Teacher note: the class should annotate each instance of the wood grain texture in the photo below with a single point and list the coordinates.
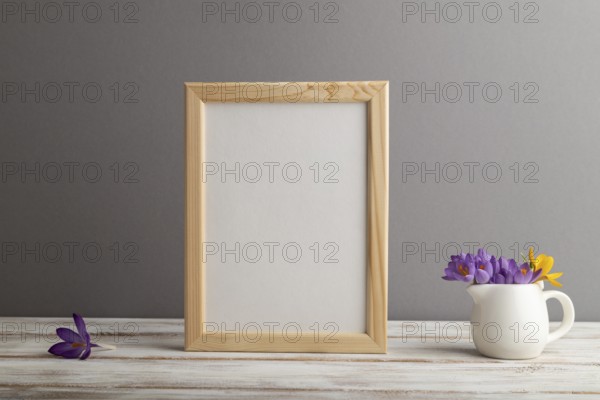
(287, 92)
(194, 311)
(437, 361)
(377, 222)
(375, 95)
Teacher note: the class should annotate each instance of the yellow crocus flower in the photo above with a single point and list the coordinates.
(545, 263)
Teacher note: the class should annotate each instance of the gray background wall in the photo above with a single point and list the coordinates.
(548, 132)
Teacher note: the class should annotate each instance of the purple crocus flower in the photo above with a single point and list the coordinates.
(503, 264)
(451, 268)
(484, 270)
(525, 274)
(495, 265)
(499, 266)
(508, 269)
(460, 268)
(484, 255)
(75, 345)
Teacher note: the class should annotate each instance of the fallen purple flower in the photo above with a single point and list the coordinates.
(76, 344)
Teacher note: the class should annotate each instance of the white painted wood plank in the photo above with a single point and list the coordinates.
(565, 351)
(175, 394)
(128, 326)
(306, 375)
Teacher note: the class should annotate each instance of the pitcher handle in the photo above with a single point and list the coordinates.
(568, 313)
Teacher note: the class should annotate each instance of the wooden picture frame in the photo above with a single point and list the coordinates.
(374, 94)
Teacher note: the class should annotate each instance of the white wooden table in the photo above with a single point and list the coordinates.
(426, 360)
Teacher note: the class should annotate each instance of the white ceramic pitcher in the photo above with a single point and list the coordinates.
(511, 321)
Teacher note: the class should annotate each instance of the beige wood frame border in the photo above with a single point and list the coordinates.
(375, 94)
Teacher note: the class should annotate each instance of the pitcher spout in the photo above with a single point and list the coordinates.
(478, 292)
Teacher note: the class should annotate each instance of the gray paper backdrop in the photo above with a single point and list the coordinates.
(493, 138)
